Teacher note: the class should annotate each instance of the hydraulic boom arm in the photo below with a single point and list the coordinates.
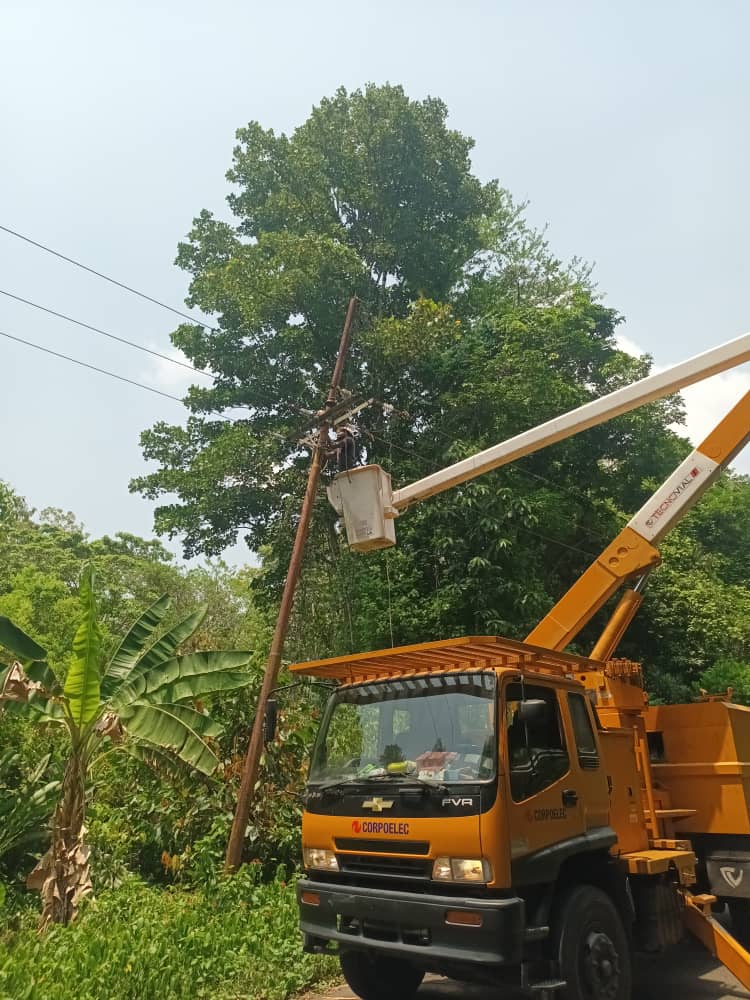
(634, 551)
(629, 397)
(369, 505)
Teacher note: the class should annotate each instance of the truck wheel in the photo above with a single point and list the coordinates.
(739, 911)
(379, 977)
(589, 942)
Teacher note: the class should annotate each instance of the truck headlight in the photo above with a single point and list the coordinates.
(462, 870)
(319, 857)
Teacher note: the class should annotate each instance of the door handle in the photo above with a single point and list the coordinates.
(570, 797)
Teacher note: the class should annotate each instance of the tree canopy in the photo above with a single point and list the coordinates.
(470, 330)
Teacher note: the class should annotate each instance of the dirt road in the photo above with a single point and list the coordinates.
(687, 974)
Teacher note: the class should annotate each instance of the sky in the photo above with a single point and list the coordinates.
(620, 124)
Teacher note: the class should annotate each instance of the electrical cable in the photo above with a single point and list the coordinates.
(428, 464)
(516, 465)
(556, 541)
(390, 607)
(93, 368)
(406, 451)
(105, 333)
(106, 277)
(128, 288)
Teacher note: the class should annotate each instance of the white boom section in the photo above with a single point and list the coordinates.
(675, 496)
(692, 478)
(702, 366)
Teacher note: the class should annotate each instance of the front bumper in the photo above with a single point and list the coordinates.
(411, 925)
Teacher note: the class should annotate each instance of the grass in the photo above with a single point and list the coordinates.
(237, 940)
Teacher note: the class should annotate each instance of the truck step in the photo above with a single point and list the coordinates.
(545, 986)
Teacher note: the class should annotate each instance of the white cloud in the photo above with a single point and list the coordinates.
(706, 402)
(169, 377)
(628, 345)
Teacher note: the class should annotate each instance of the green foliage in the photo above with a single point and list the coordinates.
(40, 562)
(138, 813)
(15, 640)
(726, 674)
(26, 801)
(470, 331)
(697, 607)
(149, 686)
(237, 939)
(82, 689)
(132, 645)
(372, 195)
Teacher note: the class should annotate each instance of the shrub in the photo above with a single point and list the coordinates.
(725, 674)
(26, 800)
(237, 940)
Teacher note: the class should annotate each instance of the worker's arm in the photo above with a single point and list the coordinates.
(634, 550)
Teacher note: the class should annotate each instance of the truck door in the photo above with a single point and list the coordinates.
(545, 801)
(591, 779)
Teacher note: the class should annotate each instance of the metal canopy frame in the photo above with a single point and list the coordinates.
(476, 652)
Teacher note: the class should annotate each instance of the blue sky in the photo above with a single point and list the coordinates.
(624, 125)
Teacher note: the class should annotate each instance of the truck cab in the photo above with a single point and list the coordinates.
(467, 814)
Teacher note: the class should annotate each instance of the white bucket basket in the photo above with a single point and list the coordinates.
(364, 498)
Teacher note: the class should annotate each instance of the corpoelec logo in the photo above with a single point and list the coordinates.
(541, 815)
(380, 826)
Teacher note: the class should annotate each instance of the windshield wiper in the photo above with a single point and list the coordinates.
(337, 783)
(436, 786)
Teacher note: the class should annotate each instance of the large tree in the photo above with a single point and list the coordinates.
(372, 195)
(471, 330)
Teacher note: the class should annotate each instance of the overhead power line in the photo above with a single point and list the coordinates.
(106, 277)
(105, 333)
(431, 466)
(93, 368)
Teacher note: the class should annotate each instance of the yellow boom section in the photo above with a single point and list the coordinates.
(634, 550)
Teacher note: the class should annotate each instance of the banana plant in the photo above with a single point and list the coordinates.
(142, 697)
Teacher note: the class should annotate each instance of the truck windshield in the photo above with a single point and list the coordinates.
(437, 728)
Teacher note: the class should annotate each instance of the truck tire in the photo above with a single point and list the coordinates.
(739, 911)
(379, 977)
(589, 942)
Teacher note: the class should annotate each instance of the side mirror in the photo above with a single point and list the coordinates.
(270, 721)
(533, 711)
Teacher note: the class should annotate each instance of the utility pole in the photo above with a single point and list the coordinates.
(273, 664)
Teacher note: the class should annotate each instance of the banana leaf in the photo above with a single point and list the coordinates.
(176, 728)
(82, 685)
(198, 674)
(17, 642)
(133, 646)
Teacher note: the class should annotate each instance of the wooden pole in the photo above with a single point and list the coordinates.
(273, 664)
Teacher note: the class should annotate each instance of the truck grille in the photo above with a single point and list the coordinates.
(382, 846)
(384, 867)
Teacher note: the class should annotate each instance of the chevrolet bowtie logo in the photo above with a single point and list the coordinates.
(377, 804)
